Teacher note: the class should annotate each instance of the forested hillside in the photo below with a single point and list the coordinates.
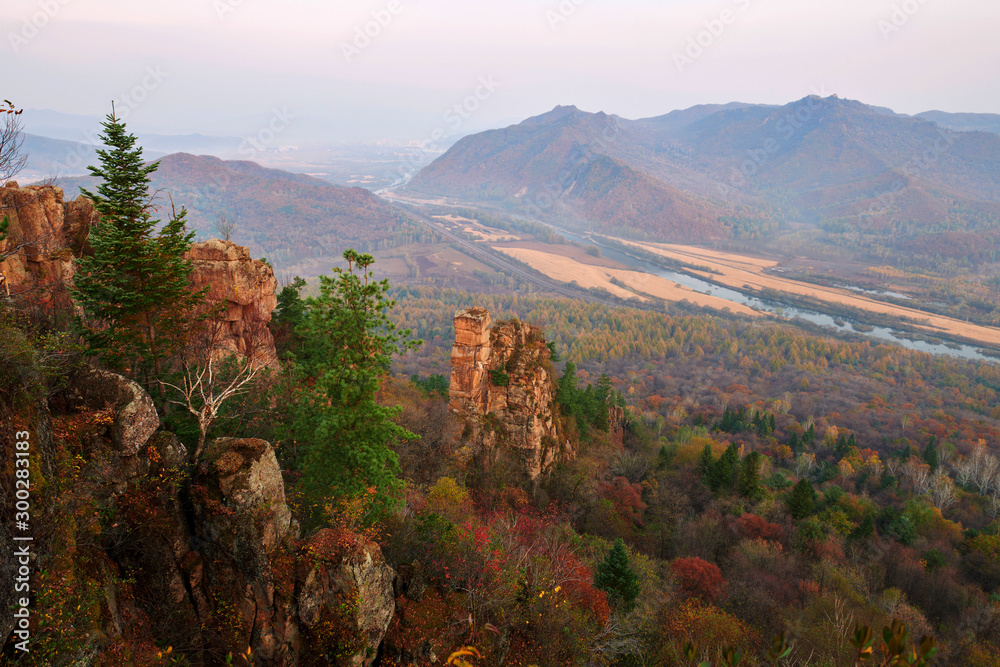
(279, 215)
(777, 480)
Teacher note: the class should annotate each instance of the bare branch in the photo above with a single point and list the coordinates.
(12, 160)
(225, 225)
(204, 390)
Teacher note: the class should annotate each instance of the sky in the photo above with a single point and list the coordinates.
(362, 70)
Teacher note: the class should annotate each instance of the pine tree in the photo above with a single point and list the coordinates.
(840, 448)
(750, 483)
(809, 436)
(616, 577)
(801, 501)
(930, 455)
(706, 461)
(138, 308)
(865, 529)
(723, 474)
(795, 444)
(348, 343)
(287, 315)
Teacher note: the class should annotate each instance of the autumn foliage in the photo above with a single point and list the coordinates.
(697, 578)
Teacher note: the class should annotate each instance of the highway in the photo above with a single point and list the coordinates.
(498, 261)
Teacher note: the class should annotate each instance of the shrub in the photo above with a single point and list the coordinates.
(698, 578)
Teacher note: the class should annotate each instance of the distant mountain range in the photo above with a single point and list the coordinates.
(741, 170)
(286, 217)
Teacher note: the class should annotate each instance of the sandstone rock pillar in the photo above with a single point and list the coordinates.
(469, 360)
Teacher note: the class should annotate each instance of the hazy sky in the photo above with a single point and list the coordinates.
(224, 66)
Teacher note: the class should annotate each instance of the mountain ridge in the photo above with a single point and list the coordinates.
(906, 174)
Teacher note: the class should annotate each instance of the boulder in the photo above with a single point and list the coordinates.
(346, 601)
(134, 415)
(243, 570)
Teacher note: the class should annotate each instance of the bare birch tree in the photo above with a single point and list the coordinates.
(919, 474)
(942, 490)
(213, 373)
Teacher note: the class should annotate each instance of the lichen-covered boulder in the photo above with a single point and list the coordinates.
(134, 415)
(346, 597)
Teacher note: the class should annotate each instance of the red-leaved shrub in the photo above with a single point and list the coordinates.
(698, 578)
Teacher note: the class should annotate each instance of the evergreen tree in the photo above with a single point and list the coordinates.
(809, 436)
(706, 461)
(931, 454)
(840, 448)
(138, 309)
(865, 529)
(617, 579)
(567, 384)
(750, 482)
(603, 392)
(723, 474)
(801, 501)
(290, 308)
(795, 444)
(348, 342)
(287, 315)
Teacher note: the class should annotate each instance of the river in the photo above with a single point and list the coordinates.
(839, 323)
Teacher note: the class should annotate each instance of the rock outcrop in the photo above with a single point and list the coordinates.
(207, 559)
(241, 289)
(48, 233)
(243, 568)
(346, 600)
(44, 230)
(502, 383)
